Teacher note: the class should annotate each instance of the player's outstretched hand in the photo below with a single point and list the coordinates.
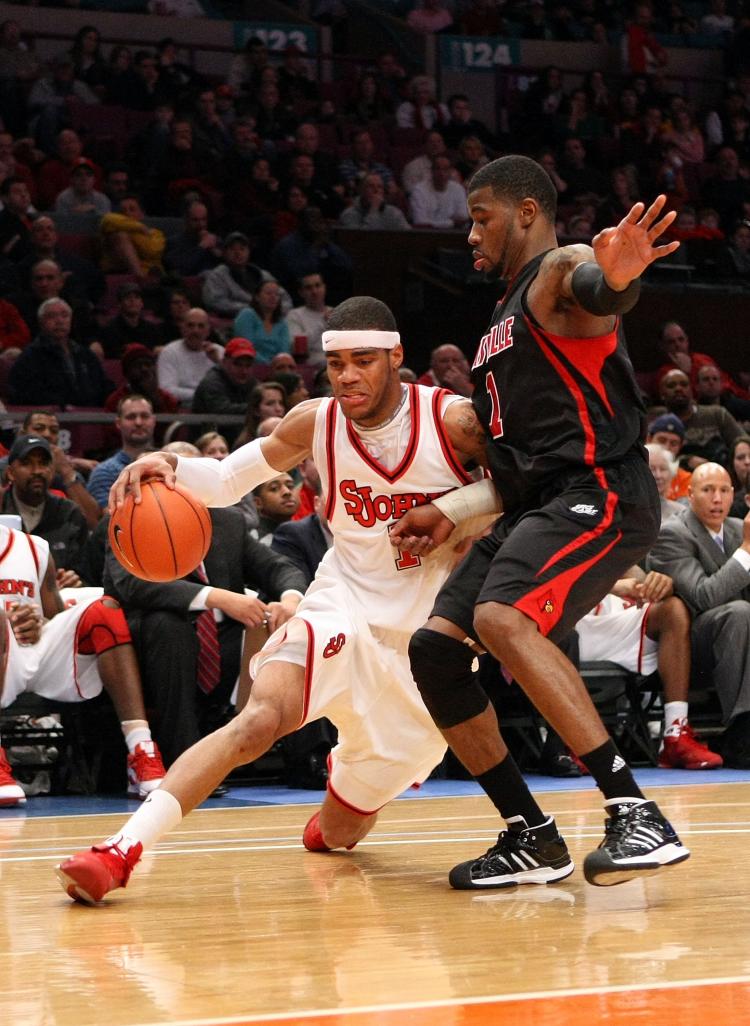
(160, 465)
(420, 530)
(624, 252)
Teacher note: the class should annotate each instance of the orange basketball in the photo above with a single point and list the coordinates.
(163, 537)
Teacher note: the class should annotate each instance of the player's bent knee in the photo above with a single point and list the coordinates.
(103, 626)
(497, 623)
(442, 669)
(260, 724)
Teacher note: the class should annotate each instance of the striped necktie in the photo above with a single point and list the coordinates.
(209, 654)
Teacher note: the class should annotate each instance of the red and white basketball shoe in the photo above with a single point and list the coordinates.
(681, 749)
(312, 837)
(145, 770)
(89, 875)
(11, 792)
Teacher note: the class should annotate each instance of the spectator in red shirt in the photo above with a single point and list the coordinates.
(14, 332)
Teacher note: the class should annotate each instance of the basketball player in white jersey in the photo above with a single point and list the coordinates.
(67, 655)
(381, 447)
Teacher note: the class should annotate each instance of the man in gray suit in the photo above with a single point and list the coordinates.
(707, 554)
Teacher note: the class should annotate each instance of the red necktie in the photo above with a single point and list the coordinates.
(209, 656)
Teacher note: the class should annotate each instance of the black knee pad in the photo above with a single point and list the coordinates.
(441, 667)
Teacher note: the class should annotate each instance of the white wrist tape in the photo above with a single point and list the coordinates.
(224, 482)
(474, 500)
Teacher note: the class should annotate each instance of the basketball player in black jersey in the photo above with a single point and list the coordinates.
(555, 392)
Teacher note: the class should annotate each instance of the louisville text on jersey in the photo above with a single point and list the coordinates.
(367, 509)
(498, 338)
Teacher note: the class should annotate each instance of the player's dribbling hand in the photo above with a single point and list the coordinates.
(26, 622)
(160, 465)
(420, 530)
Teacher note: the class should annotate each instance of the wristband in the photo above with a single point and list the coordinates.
(596, 297)
(474, 500)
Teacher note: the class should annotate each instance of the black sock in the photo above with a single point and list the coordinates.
(610, 771)
(508, 792)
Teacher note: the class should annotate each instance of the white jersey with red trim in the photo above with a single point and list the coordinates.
(52, 667)
(364, 496)
(23, 564)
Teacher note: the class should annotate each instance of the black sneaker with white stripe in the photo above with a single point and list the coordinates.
(522, 855)
(638, 841)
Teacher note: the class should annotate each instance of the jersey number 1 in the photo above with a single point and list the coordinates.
(496, 421)
(407, 561)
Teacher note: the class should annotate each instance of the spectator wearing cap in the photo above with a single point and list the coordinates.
(668, 431)
(128, 325)
(68, 471)
(227, 386)
(183, 363)
(128, 244)
(55, 370)
(229, 288)
(709, 430)
(225, 106)
(50, 516)
(81, 197)
(135, 422)
(196, 248)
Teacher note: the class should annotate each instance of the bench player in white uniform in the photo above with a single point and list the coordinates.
(380, 447)
(642, 626)
(67, 655)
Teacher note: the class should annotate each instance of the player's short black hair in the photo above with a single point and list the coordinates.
(514, 178)
(361, 313)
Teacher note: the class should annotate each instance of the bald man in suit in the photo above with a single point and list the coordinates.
(707, 554)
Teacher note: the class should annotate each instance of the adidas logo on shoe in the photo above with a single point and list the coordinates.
(638, 841)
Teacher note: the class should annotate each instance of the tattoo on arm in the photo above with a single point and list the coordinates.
(470, 437)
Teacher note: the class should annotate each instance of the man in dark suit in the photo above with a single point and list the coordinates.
(707, 554)
(304, 542)
(163, 621)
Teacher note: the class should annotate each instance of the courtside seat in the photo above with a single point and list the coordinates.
(626, 702)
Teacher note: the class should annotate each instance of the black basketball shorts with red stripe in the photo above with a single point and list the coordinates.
(556, 561)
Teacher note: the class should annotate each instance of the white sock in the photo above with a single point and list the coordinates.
(674, 711)
(160, 813)
(135, 732)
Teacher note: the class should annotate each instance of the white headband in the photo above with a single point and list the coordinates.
(360, 340)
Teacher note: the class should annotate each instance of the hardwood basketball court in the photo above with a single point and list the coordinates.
(231, 921)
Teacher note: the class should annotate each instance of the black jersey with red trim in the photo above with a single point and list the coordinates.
(552, 407)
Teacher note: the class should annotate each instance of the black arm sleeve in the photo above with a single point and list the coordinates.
(596, 297)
